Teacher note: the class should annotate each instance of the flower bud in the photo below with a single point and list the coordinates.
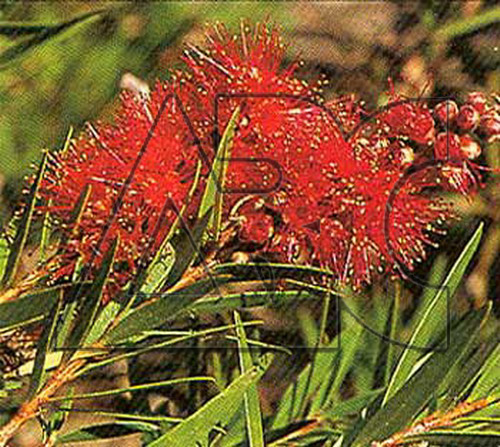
(447, 146)
(469, 147)
(490, 125)
(446, 112)
(468, 118)
(477, 100)
(422, 128)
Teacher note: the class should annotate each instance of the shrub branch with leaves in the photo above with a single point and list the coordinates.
(283, 197)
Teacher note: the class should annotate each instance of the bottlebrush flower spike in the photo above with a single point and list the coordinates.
(318, 196)
(104, 157)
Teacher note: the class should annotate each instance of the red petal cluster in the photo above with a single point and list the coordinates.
(315, 182)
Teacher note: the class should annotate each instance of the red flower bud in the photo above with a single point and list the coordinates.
(447, 146)
(422, 129)
(469, 147)
(446, 112)
(468, 118)
(477, 100)
(490, 125)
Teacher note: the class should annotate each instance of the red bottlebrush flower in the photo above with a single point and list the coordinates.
(446, 112)
(468, 118)
(323, 197)
(104, 157)
(332, 199)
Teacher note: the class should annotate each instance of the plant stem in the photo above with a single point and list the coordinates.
(28, 410)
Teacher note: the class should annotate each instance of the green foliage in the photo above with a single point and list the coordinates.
(432, 317)
(195, 431)
(23, 228)
(213, 196)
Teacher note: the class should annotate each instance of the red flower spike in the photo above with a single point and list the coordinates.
(322, 201)
(104, 157)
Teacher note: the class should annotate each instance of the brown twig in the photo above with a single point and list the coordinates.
(435, 420)
(28, 410)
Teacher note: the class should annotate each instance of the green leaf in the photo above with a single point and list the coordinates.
(4, 254)
(249, 299)
(212, 197)
(418, 390)
(431, 321)
(44, 345)
(45, 236)
(253, 415)
(103, 321)
(23, 228)
(488, 383)
(131, 389)
(456, 439)
(27, 309)
(158, 311)
(195, 430)
(320, 380)
(161, 345)
(106, 431)
(90, 302)
(76, 213)
(187, 247)
(154, 277)
(463, 376)
(467, 25)
(351, 406)
(261, 270)
(122, 416)
(350, 342)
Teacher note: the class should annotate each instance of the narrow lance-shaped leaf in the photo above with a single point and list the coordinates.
(44, 345)
(104, 431)
(27, 309)
(76, 214)
(90, 303)
(214, 190)
(196, 429)
(249, 299)
(158, 311)
(455, 439)
(131, 389)
(187, 246)
(411, 398)
(431, 321)
(39, 34)
(154, 276)
(23, 227)
(251, 400)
